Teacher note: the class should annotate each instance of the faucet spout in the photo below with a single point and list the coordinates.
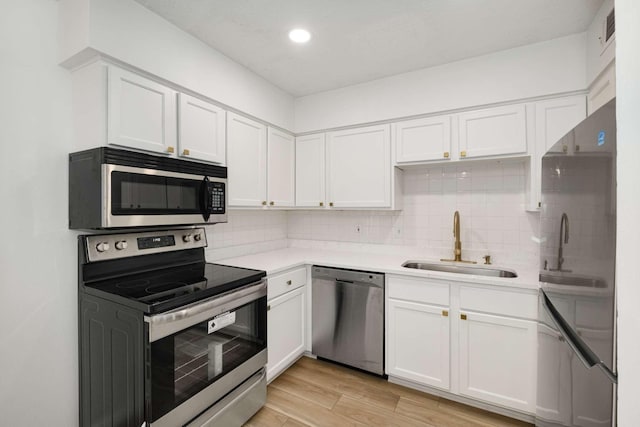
(457, 251)
(564, 239)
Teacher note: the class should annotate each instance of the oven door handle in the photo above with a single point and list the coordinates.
(165, 324)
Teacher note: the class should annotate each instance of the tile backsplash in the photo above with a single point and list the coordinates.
(490, 197)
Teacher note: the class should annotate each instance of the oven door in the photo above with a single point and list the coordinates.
(200, 353)
(134, 197)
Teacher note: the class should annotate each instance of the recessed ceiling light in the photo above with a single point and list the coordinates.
(299, 35)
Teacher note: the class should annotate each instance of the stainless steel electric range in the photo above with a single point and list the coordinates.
(167, 339)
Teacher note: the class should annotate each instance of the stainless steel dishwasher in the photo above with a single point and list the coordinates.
(348, 317)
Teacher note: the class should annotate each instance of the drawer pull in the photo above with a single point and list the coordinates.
(289, 282)
(463, 316)
(445, 313)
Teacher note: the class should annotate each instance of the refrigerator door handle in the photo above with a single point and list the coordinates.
(581, 350)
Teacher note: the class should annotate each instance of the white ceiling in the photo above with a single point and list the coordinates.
(355, 41)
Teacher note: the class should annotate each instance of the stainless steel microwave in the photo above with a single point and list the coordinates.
(113, 188)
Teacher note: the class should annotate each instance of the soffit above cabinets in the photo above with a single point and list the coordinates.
(356, 41)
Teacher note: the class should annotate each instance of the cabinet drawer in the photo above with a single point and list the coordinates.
(418, 290)
(285, 282)
(497, 301)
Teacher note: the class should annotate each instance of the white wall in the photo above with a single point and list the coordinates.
(38, 267)
(490, 197)
(545, 68)
(628, 112)
(597, 58)
(129, 32)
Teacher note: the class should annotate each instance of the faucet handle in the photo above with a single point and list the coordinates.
(487, 259)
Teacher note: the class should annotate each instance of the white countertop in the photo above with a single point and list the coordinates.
(279, 260)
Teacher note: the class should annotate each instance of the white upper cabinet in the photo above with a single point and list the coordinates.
(280, 168)
(247, 161)
(310, 171)
(359, 167)
(201, 130)
(554, 118)
(493, 132)
(141, 113)
(603, 89)
(422, 139)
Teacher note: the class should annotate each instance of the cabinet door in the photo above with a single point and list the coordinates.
(359, 167)
(554, 118)
(310, 171)
(140, 112)
(423, 139)
(498, 359)
(418, 343)
(285, 330)
(493, 132)
(247, 161)
(603, 89)
(553, 403)
(280, 168)
(201, 130)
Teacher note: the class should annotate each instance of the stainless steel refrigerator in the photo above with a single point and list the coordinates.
(576, 329)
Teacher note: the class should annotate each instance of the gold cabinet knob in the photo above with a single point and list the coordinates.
(269, 307)
(271, 203)
(170, 149)
(576, 148)
(446, 154)
(185, 152)
(288, 282)
(463, 154)
(331, 204)
(321, 204)
(264, 203)
(565, 149)
(445, 313)
(463, 316)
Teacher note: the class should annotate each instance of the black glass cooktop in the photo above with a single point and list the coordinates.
(165, 289)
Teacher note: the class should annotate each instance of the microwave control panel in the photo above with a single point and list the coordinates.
(217, 196)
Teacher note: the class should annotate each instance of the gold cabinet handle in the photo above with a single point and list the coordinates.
(170, 149)
(321, 204)
(271, 203)
(269, 307)
(446, 154)
(463, 154)
(445, 313)
(565, 149)
(264, 203)
(288, 282)
(577, 148)
(185, 152)
(331, 204)
(463, 316)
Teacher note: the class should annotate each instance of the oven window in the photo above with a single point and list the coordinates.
(187, 362)
(139, 194)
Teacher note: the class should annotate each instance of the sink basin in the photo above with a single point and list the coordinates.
(581, 281)
(460, 269)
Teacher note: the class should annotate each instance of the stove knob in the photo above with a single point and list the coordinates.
(121, 245)
(197, 237)
(186, 238)
(102, 246)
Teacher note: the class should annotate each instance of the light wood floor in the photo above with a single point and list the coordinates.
(316, 393)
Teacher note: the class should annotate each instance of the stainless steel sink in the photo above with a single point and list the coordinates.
(460, 269)
(581, 281)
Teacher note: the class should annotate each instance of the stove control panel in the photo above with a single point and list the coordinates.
(112, 246)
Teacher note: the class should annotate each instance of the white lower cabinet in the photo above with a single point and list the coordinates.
(418, 346)
(475, 341)
(497, 359)
(286, 319)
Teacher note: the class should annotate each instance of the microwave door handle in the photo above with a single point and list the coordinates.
(205, 199)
